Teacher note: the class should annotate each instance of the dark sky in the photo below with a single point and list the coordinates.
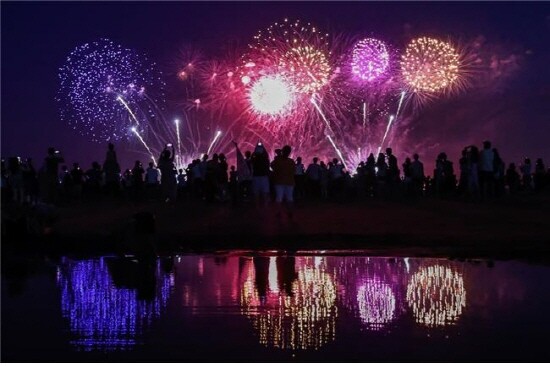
(37, 36)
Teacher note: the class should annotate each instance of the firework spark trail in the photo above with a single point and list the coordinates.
(218, 134)
(121, 100)
(385, 133)
(323, 117)
(134, 130)
(400, 102)
(364, 113)
(337, 150)
(177, 122)
(398, 110)
(392, 119)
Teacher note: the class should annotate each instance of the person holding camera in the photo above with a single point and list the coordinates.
(168, 172)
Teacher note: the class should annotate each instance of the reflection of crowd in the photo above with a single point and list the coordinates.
(482, 174)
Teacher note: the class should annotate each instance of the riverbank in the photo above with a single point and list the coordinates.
(513, 227)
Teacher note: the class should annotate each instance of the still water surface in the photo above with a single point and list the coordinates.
(243, 307)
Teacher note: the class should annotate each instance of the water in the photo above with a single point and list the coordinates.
(245, 307)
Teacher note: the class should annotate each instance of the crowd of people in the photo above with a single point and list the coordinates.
(482, 175)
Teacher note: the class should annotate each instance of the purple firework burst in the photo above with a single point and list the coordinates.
(370, 59)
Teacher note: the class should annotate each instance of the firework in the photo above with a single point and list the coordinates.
(304, 320)
(271, 95)
(436, 295)
(370, 60)
(100, 83)
(306, 67)
(376, 304)
(429, 65)
(102, 317)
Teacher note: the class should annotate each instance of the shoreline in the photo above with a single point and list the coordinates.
(508, 228)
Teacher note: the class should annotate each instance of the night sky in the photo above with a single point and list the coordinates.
(512, 109)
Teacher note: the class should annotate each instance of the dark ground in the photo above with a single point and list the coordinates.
(511, 227)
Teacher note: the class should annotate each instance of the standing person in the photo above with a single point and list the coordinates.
(111, 168)
(407, 176)
(168, 174)
(512, 179)
(93, 180)
(313, 174)
(137, 180)
(299, 178)
(284, 170)
(473, 171)
(260, 174)
(336, 179)
(463, 166)
(323, 179)
(540, 175)
(243, 175)
(233, 185)
(526, 174)
(417, 175)
(222, 177)
(15, 179)
(486, 169)
(211, 178)
(152, 180)
(381, 169)
(30, 181)
(499, 169)
(51, 176)
(392, 177)
(370, 175)
(77, 178)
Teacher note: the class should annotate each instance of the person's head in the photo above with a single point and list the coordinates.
(215, 157)
(299, 159)
(486, 144)
(527, 161)
(335, 161)
(278, 152)
(138, 163)
(247, 154)
(76, 166)
(539, 161)
(221, 157)
(315, 160)
(165, 154)
(259, 149)
(408, 160)
(51, 150)
(151, 165)
(415, 157)
(181, 171)
(286, 151)
(111, 146)
(64, 168)
(232, 168)
(205, 157)
(381, 156)
(512, 166)
(323, 165)
(388, 151)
